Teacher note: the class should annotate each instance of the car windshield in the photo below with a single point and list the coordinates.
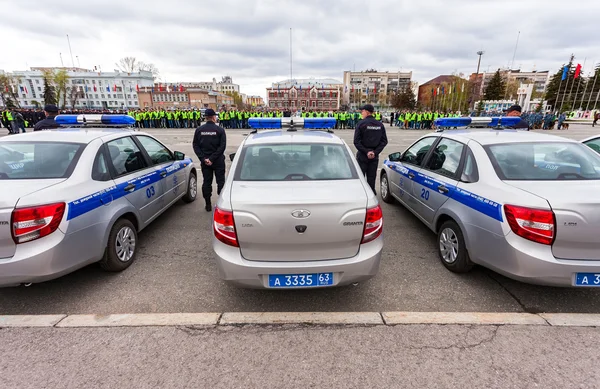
(547, 161)
(286, 162)
(38, 160)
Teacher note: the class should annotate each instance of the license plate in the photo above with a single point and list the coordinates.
(300, 280)
(587, 279)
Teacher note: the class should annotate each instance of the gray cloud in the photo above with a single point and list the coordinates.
(249, 39)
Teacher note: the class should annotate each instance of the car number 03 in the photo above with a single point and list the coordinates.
(150, 191)
(425, 194)
(299, 280)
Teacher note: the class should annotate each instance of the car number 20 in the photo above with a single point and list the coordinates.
(300, 280)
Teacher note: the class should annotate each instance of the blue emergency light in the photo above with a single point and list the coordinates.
(264, 123)
(278, 123)
(317, 123)
(95, 119)
(506, 121)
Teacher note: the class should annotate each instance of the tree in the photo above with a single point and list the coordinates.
(132, 65)
(49, 92)
(496, 87)
(35, 103)
(479, 108)
(61, 78)
(404, 99)
(74, 95)
(9, 90)
(237, 99)
(512, 88)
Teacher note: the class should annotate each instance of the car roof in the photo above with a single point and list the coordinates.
(73, 135)
(300, 136)
(488, 137)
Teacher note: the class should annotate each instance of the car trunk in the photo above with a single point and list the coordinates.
(576, 205)
(12, 191)
(267, 231)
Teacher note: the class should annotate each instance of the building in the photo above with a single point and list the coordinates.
(225, 85)
(178, 96)
(539, 79)
(524, 98)
(86, 89)
(373, 87)
(254, 101)
(310, 94)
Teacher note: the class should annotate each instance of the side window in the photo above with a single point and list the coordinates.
(157, 152)
(100, 169)
(125, 156)
(470, 172)
(417, 152)
(594, 144)
(445, 158)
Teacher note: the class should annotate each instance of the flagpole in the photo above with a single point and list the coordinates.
(572, 85)
(558, 92)
(596, 102)
(587, 83)
(592, 91)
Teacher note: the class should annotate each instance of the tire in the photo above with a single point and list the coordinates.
(192, 189)
(384, 189)
(116, 256)
(452, 249)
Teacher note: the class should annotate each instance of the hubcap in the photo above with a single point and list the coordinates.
(125, 244)
(449, 245)
(384, 186)
(193, 187)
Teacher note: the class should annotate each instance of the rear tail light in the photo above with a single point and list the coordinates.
(33, 223)
(373, 224)
(224, 227)
(537, 225)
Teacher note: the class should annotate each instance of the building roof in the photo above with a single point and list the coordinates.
(441, 79)
(307, 83)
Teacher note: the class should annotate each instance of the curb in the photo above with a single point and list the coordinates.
(314, 318)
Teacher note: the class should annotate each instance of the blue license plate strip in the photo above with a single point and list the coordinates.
(587, 279)
(300, 280)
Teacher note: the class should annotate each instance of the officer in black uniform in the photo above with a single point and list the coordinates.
(49, 123)
(369, 139)
(209, 145)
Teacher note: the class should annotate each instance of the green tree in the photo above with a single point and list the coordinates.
(49, 92)
(61, 78)
(237, 99)
(496, 88)
(404, 99)
(479, 108)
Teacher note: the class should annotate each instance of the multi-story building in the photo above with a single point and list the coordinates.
(254, 101)
(373, 87)
(539, 79)
(225, 85)
(86, 88)
(310, 94)
(177, 96)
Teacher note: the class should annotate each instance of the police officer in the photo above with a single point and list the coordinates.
(49, 123)
(209, 145)
(515, 110)
(369, 139)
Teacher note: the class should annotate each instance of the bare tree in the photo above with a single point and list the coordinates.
(61, 78)
(9, 89)
(75, 93)
(148, 67)
(128, 64)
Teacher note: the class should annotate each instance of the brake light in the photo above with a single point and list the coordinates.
(33, 223)
(224, 227)
(537, 225)
(373, 224)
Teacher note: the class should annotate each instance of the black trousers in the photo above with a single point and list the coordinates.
(217, 169)
(369, 168)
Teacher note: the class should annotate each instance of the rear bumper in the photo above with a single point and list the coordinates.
(236, 270)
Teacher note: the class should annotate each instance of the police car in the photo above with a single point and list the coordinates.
(74, 196)
(524, 204)
(295, 211)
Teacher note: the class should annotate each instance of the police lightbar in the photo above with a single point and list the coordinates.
(507, 121)
(279, 123)
(96, 119)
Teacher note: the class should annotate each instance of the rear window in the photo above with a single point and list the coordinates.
(38, 160)
(544, 161)
(287, 162)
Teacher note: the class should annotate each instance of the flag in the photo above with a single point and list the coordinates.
(86, 89)
(130, 88)
(26, 91)
(432, 92)
(137, 88)
(95, 88)
(352, 88)
(115, 88)
(168, 88)
(21, 88)
(450, 90)
(181, 87)
(152, 88)
(108, 88)
(374, 88)
(463, 87)
(565, 73)
(346, 89)
(577, 71)
(438, 90)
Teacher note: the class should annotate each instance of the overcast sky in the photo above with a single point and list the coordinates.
(250, 39)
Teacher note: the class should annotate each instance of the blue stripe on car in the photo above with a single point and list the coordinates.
(95, 200)
(481, 204)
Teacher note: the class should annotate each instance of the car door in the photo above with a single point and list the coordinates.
(438, 177)
(139, 183)
(171, 171)
(401, 183)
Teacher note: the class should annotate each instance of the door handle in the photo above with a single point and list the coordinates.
(129, 188)
(163, 173)
(411, 175)
(443, 189)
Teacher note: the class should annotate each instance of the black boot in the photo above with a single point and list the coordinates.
(208, 206)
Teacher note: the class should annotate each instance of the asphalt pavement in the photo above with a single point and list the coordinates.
(175, 271)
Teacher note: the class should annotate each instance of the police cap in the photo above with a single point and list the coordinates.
(367, 107)
(50, 108)
(210, 112)
(515, 107)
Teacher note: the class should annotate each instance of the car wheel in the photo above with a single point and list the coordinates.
(121, 249)
(452, 249)
(386, 196)
(192, 189)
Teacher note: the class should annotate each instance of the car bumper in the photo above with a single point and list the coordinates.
(534, 263)
(236, 270)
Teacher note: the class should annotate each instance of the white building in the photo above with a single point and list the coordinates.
(539, 79)
(373, 87)
(225, 85)
(94, 89)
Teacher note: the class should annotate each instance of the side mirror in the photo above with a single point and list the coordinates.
(179, 156)
(395, 157)
(231, 156)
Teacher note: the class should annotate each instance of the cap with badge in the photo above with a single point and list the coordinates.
(51, 108)
(367, 107)
(210, 112)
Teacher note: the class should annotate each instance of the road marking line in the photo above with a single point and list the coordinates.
(572, 319)
(30, 320)
(481, 318)
(141, 320)
(233, 318)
